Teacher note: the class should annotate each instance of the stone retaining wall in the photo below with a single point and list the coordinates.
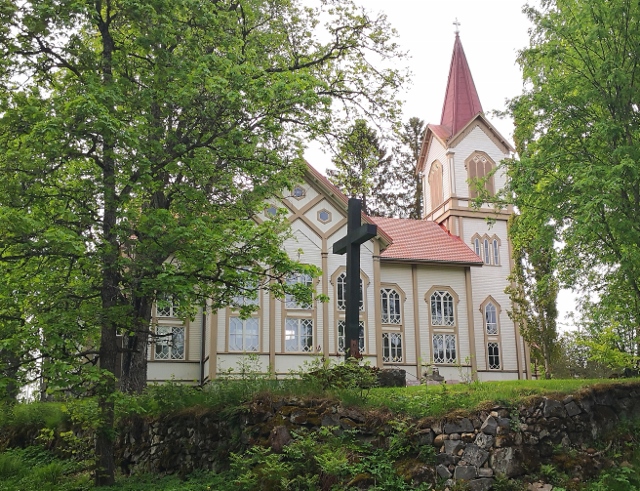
(509, 441)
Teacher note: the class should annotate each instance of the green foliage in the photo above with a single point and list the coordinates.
(361, 164)
(534, 287)
(138, 140)
(50, 415)
(35, 469)
(386, 183)
(345, 378)
(575, 360)
(578, 140)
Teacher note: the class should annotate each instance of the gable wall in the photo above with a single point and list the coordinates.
(476, 139)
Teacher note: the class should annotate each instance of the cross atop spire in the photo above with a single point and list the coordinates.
(457, 24)
(461, 101)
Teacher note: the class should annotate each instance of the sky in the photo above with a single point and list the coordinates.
(492, 32)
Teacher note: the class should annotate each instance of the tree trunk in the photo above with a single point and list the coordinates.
(134, 356)
(110, 292)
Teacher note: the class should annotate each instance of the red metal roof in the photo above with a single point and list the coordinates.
(442, 132)
(424, 241)
(461, 102)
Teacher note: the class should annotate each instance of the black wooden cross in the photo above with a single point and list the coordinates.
(350, 244)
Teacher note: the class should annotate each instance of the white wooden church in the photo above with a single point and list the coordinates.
(432, 289)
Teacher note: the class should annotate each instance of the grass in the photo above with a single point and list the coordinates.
(440, 400)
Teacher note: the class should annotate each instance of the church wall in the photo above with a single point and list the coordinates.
(492, 280)
(310, 195)
(230, 362)
(194, 333)
(179, 371)
(400, 275)
(442, 276)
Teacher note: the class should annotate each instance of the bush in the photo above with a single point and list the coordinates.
(39, 414)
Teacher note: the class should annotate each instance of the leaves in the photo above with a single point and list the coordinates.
(577, 132)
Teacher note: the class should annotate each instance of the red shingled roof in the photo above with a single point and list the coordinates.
(424, 241)
(461, 101)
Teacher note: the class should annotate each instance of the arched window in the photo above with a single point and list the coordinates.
(435, 185)
(341, 293)
(490, 309)
(390, 300)
(479, 166)
(487, 253)
(491, 319)
(487, 248)
(442, 310)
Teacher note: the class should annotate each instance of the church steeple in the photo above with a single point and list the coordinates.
(461, 101)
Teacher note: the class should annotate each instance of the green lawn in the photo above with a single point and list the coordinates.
(438, 401)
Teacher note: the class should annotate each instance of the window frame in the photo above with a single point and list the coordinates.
(487, 248)
(494, 336)
(446, 339)
(244, 334)
(398, 302)
(479, 160)
(174, 311)
(298, 335)
(496, 354)
(362, 337)
(162, 339)
(445, 331)
(435, 179)
(388, 356)
(290, 302)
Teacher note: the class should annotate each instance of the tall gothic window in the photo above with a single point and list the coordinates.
(341, 290)
(491, 319)
(479, 166)
(390, 300)
(435, 185)
(442, 311)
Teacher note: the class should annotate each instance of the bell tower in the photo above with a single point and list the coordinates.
(457, 156)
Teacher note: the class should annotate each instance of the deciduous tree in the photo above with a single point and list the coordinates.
(578, 139)
(138, 139)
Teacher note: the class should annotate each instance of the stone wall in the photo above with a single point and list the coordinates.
(509, 441)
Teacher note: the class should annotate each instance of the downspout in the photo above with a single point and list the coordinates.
(203, 338)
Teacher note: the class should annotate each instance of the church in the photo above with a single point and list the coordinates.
(431, 290)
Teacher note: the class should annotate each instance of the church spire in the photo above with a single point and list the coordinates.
(461, 101)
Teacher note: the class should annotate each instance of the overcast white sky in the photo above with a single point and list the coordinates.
(491, 32)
